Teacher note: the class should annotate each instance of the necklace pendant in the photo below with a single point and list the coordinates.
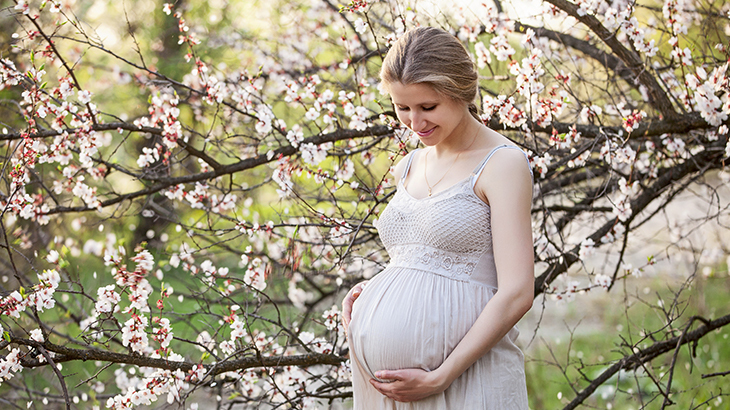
(429, 191)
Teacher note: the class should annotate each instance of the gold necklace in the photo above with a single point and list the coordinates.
(425, 165)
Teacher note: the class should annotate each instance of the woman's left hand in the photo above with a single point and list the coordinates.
(408, 384)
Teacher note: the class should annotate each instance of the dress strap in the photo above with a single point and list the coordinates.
(408, 166)
(478, 170)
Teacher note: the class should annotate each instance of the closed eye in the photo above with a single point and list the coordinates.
(429, 108)
(401, 108)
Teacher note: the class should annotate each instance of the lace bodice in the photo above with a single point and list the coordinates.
(448, 234)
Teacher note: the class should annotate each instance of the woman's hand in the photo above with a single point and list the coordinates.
(353, 294)
(409, 384)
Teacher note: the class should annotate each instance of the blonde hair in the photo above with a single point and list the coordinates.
(433, 56)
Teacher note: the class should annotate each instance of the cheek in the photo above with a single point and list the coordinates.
(402, 117)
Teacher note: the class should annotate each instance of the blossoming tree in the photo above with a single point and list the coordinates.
(188, 189)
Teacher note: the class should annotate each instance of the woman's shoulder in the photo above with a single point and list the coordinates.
(500, 152)
(507, 158)
(507, 170)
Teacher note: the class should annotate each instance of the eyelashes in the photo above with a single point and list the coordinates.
(431, 108)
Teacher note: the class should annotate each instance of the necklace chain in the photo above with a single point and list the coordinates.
(425, 165)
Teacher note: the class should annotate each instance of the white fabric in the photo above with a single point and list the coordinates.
(413, 314)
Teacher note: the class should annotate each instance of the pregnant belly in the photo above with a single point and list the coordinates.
(411, 319)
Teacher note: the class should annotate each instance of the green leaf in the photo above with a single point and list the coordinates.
(6, 336)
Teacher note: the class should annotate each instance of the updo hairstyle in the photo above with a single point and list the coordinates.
(433, 56)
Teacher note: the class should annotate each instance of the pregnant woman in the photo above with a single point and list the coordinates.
(436, 328)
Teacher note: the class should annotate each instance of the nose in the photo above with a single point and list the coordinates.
(417, 120)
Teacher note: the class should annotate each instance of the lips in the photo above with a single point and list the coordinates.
(425, 133)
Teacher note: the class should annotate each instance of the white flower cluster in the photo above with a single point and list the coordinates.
(340, 232)
(163, 333)
(163, 113)
(586, 248)
(483, 56)
(86, 193)
(41, 296)
(318, 344)
(614, 233)
(145, 391)
(566, 140)
(345, 171)
(331, 317)
(255, 275)
(603, 281)
(238, 330)
(706, 90)
(295, 135)
(265, 117)
(107, 300)
(629, 26)
(540, 163)
(505, 108)
(10, 365)
(528, 74)
(198, 196)
(224, 203)
(31, 151)
(27, 207)
(622, 202)
(590, 112)
(148, 157)
(501, 48)
(314, 154)
(9, 75)
(134, 335)
(674, 145)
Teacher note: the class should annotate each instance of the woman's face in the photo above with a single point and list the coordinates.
(432, 116)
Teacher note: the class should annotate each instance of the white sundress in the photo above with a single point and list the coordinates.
(440, 276)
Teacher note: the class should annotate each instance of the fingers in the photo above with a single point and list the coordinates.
(388, 375)
(404, 385)
(389, 390)
(383, 388)
(347, 307)
(347, 303)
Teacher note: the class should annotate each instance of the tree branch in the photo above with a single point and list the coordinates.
(633, 361)
(609, 61)
(242, 165)
(67, 354)
(705, 160)
(657, 97)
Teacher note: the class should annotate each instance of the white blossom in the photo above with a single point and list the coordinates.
(603, 280)
(360, 26)
(37, 335)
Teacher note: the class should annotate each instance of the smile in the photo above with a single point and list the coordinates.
(425, 133)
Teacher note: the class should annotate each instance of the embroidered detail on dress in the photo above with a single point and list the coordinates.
(427, 258)
(447, 262)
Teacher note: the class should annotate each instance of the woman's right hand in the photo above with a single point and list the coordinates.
(349, 300)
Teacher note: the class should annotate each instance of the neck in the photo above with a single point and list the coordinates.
(462, 139)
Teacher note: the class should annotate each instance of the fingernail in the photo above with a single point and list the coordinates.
(377, 374)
